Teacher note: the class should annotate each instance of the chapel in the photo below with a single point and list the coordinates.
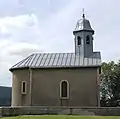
(60, 79)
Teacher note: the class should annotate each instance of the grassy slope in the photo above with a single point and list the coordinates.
(61, 117)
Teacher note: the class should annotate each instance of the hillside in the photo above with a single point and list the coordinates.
(5, 96)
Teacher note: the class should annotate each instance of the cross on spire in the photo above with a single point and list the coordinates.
(83, 13)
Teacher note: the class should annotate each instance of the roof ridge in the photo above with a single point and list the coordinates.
(55, 53)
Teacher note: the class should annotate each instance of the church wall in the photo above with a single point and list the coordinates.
(18, 76)
(82, 83)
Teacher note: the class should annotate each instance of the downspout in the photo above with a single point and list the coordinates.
(98, 87)
(30, 79)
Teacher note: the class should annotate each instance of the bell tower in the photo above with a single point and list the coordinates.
(83, 38)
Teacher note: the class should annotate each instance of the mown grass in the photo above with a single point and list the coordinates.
(62, 117)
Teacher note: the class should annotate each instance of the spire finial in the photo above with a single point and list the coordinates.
(83, 13)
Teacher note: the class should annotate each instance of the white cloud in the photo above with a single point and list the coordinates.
(13, 43)
(23, 49)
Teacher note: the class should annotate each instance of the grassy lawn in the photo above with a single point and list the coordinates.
(62, 117)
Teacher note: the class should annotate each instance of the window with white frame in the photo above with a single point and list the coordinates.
(24, 87)
(64, 89)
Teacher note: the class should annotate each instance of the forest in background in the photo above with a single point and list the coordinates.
(5, 96)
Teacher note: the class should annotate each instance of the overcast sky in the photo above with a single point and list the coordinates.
(28, 26)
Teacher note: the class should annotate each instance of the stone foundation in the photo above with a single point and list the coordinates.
(103, 111)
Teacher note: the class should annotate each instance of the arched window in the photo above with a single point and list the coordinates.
(24, 87)
(92, 38)
(88, 40)
(64, 89)
(78, 40)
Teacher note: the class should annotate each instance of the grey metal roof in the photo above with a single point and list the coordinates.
(83, 24)
(56, 60)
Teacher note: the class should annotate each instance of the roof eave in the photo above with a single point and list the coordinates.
(89, 30)
(12, 69)
(62, 67)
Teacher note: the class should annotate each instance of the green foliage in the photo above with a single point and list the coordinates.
(110, 84)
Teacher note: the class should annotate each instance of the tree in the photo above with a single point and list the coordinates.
(110, 84)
